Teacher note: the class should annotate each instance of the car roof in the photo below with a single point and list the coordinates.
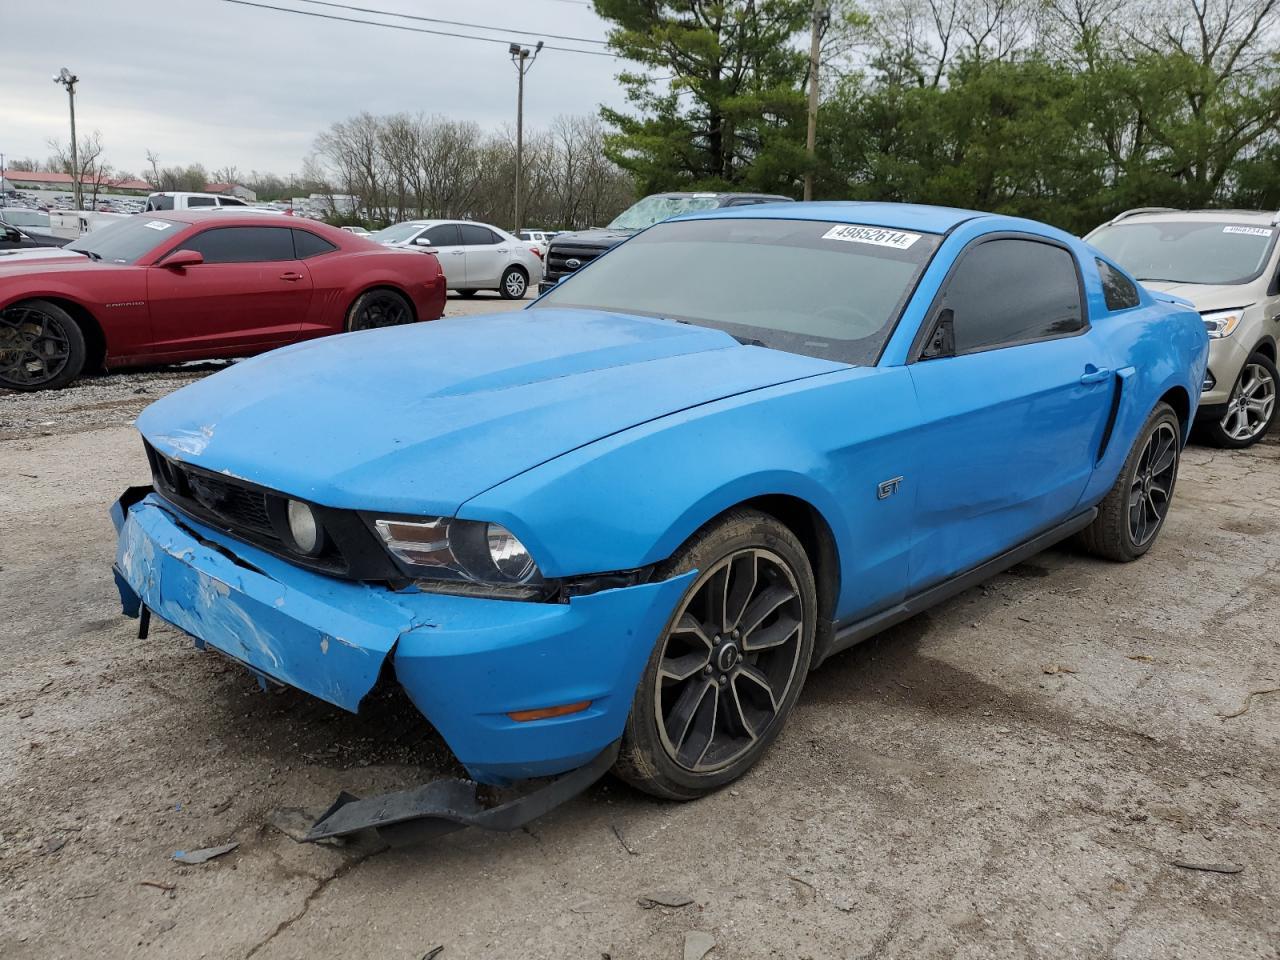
(249, 217)
(719, 195)
(1156, 215)
(901, 216)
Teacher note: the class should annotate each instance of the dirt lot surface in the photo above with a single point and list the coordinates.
(1018, 773)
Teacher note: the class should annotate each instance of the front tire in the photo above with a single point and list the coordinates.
(374, 309)
(41, 346)
(468, 294)
(730, 664)
(514, 284)
(1132, 514)
(1251, 409)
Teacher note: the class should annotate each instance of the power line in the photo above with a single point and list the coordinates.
(451, 23)
(408, 29)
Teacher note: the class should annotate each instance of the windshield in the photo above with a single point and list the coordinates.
(125, 241)
(24, 218)
(653, 210)
(820, 289)
(397, 233)
(1188, 251)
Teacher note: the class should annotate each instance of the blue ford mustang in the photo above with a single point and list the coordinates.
(632, 517)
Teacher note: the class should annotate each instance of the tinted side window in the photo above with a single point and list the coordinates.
(201, 202)
(160, 203)
(445, 235)
(307, 244)
(231, 202)
(474, 235)
(243, 244)
(1012, 291)
(1118, 291)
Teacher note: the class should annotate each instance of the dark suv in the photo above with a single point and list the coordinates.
(572, 251)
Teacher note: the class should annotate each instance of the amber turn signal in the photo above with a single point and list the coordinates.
(543, 713)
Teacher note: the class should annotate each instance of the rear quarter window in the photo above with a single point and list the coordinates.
(307, 244)
(1118, 291)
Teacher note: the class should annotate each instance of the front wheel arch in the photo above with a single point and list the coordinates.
(95, 340)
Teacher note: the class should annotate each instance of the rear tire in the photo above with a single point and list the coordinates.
(729, 666)
(41, 346)
(514, 284)
(1252, 408)
(374, 309)
(1132, 514)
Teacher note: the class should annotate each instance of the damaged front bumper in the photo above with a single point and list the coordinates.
(467, 663)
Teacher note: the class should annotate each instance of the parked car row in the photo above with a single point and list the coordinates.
(869, 407)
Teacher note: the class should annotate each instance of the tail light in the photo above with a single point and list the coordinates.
(536, 251)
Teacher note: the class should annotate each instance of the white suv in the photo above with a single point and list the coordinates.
(1227, 263)
(473, 256)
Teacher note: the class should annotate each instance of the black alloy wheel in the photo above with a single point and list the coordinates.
(730, 663)
(729, 660)
(41, 346)
(1133, 512)
(379, 308)
(1151, 489)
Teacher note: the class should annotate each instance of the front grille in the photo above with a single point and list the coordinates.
(258, 516)
(558, 258)
(237, 506)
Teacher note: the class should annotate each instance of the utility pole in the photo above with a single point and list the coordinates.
(69, 80)
(523, 59)
(3, 199)
(820, 15)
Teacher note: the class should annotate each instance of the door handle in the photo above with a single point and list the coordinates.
(1094, 375)
(457, 253)
(291, 276)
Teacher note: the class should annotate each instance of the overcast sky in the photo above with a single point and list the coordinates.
(206, 81)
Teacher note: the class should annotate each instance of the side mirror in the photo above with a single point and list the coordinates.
(182, 258)
(422, 242)
(942, 341)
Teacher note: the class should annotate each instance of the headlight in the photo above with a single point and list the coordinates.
(304, 528)
(437, 548)
(1222, 323)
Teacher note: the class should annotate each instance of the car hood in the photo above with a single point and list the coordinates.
(592, 238)
(421, 419)
(1207, 296)
(47, 259)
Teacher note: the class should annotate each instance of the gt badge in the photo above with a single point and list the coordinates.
(887, 488)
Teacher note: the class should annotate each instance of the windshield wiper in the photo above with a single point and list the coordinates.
(91, 254)
(749, 341)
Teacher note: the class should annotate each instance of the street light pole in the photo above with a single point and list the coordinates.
(523, 59)
(69, 80)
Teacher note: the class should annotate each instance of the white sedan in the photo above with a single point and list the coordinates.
(473, 256)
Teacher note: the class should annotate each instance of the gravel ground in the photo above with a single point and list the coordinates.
(1014, 774)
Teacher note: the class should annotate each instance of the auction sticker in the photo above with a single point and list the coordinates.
(878, 236)
(158, 224)
(1251, 231)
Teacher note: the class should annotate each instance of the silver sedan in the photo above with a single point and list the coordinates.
(473, 256)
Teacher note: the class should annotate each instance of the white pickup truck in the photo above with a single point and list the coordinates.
(183, 200)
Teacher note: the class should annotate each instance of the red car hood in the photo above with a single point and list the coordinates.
(23, 263)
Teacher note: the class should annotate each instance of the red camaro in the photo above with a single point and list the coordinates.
(158, 288)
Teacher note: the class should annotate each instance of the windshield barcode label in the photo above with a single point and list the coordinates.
(1251, 231)
(875, 235)
(158, 224)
